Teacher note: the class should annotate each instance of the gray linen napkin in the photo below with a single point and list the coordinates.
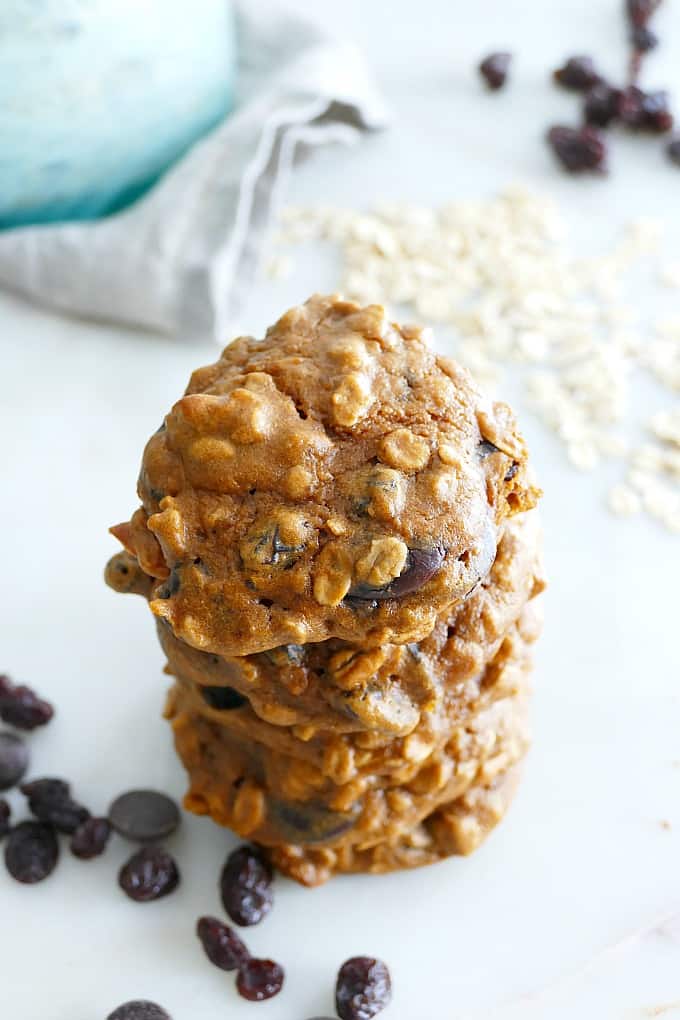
(180, 259)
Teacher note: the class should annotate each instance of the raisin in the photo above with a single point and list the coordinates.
(485, 448)
(601, 105)
(31, 852)
(21, 707)
(308, 822)
(494, 69)
(14, 759)
(140, 1009)
(578, 74)
(363, 988)
(511, 472)
(421, 566)
(90, 839)
(149, 874)
(5, 813)
(640, 11)
(246, 886)
(259, 979)
(579, 149)
(222, 945)
(643, 39)
(673, 151)
(50, 801)
(645, 111)
(224, 699)
(144, 816)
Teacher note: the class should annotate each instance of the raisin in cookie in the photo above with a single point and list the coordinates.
(334, 480)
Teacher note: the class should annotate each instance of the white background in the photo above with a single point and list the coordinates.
(582, 862)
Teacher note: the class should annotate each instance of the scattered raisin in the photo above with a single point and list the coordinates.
(224, 699)
(640, 11)
(222, 945)
(578, 74)
(14, 759)
(494, 69)
(645, 111)
(90, 839)
(144, 816)
(139, 1010)
(50, 801)
(579, 149)
(363, 988)
(31, 852)
(601, 104)
(149, 874)
(21, 707)
(5, 813)
(246, 886)
(673, 151)
(259, 979)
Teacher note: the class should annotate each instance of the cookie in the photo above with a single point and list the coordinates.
(336, 480)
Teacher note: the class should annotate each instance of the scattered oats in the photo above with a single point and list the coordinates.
(624, 501)
(507, 290)
(279, 267)
(665, 824)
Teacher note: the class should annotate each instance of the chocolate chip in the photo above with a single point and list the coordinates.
(494, 69)
(14, 758)
(363, 988)
(222, 945)
(222, 698)
(90, 839)
(140, 1009)
(259, 979)
(144, 816)
(20, 706)
(421, 566)
(246, 886)
(31, 852)
(309, 822)
(51, 802)
(149, 874)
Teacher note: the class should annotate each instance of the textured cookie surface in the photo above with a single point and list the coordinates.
(334, 480)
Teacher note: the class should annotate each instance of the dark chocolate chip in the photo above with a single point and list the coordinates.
(222, 945)
(31, 852)
(421, 566)
(308, 822)
(144, 816)
(222, 698)
(149, 874)
(363, 988)
(246, 886)
(90, 839)
(140, 1009)
(14, 758)
(50, 801)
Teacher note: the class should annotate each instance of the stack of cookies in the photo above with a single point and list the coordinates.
(338, 541)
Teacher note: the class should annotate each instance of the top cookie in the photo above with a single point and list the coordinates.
(336, 479)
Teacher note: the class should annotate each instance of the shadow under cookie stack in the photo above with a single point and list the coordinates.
(338, 541)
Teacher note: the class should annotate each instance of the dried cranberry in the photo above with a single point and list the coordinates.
(224, 699)
(144, 816)
(643, 39)
(494, 69)
(363, 988)
(673, 151)
(222, 945)
(90, 839)
(21, 707)
(5, 813)
(14, 759)
(149, 874)
(50, 801)
(640, 11)
(601, 105)
(246, 886)
(579, 150)
(140, 1009)
(578, 74)
(259, 979)
(31, 852)
(645, 111)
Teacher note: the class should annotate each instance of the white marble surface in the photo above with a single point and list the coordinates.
(572, 907)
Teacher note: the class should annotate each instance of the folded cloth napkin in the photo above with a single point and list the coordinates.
(181, 258)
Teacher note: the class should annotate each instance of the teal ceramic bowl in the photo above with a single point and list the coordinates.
(99, 97)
